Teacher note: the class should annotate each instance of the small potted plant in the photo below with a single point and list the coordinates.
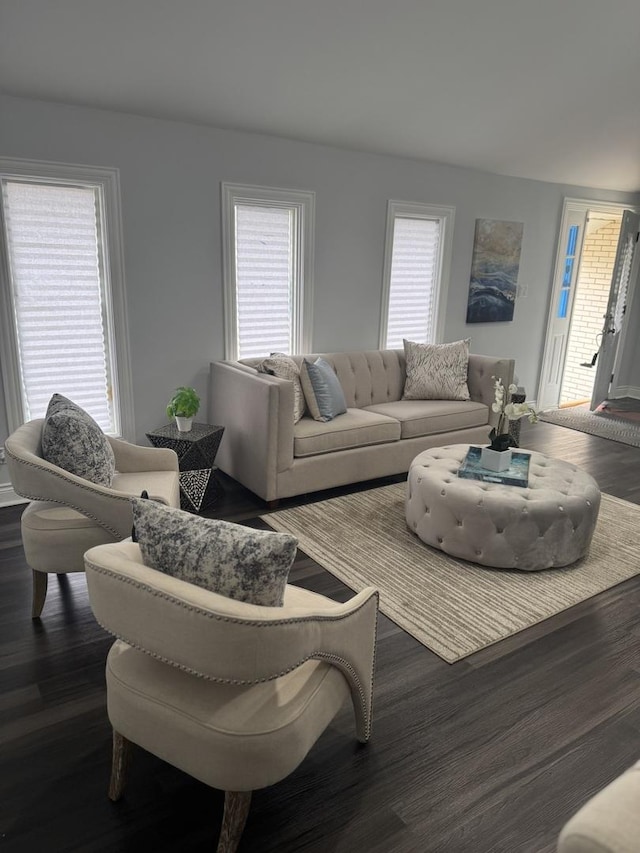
(497, 456)
(183, 406)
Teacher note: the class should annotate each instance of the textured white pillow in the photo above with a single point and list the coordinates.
(436, 371)
(280, 365)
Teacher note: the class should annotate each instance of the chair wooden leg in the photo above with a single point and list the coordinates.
(236, 809)
(40, 581)
(121, 756)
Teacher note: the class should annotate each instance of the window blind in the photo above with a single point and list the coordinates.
(413, 281)
(56, 268)
(264, 279)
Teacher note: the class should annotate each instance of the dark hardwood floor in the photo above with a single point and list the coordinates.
(488, 755)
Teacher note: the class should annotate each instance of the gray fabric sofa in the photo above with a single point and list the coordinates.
(379, 435)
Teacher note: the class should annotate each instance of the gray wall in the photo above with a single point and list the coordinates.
(170, 181)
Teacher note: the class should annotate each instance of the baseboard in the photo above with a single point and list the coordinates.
(8, 497)
(627, 391)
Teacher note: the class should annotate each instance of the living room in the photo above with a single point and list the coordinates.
(573, 680)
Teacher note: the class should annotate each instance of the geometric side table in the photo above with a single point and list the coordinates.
(196, 449)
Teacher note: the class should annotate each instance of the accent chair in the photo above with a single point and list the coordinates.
(69, 514)
(233, 694)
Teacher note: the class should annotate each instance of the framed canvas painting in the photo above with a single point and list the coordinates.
(494, 271)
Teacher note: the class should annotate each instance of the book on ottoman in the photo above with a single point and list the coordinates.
(517, 474)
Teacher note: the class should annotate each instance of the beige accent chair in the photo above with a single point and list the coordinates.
(69, 514)
(233, 694)
(609, 822)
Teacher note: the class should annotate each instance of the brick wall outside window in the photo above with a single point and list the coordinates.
(589, 308)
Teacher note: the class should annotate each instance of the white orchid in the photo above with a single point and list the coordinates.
(507, 411)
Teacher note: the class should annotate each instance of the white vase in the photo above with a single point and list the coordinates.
(184, 424)
(495, 460)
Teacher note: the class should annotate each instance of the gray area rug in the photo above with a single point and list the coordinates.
(603, 426)
(453, 607)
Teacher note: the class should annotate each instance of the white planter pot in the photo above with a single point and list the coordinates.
(184, 424)
(495, 460)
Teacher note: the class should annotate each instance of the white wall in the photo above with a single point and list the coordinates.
(170, 180)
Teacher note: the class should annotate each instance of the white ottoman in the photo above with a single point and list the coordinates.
(548, 524)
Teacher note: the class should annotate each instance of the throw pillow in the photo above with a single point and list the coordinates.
(436, 371)
(72, 440)
(235, 561)
(322, 390)
(280, 365)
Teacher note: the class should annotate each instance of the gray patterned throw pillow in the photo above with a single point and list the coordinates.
(72, 440)
(436, 371)
(235, 561)
(280, 365)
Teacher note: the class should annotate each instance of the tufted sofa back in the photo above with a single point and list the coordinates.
(367, 377)
(370, 377)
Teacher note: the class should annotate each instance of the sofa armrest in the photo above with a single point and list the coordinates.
(256, 410)
(482, 373)
(134, 457)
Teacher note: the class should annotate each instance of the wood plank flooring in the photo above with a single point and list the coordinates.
(489, 755)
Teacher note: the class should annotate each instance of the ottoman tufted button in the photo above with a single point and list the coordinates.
(499, 529)
(560, 508)
(443, 492)
(478, 552)
(440, 540)
(459, 522)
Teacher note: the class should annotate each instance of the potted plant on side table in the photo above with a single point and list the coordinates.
(183, 406)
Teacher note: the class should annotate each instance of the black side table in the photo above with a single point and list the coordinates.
(196, 449)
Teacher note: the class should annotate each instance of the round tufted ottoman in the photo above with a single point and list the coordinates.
(548, 524)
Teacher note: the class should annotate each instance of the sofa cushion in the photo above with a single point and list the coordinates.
(72, 440)
(322, 391)
(436, 371)
(430, 417)
(229, 559)
(356, 428)
(281, 365)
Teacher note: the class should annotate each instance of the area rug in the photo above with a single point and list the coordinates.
(453, 607)
(595, 424)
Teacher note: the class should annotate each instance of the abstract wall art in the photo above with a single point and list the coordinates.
(494, 271)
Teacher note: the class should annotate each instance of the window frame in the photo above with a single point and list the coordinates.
(445, 214)
(107, 181)
(303, 203)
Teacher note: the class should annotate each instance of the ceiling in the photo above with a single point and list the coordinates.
(543, 89)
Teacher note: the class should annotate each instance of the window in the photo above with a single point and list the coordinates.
(63, 319)
(268, 270)
(567, 276)
(416, 273)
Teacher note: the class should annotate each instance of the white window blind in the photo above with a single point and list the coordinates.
(417, 260)
(413, 281)
(56, 265)
(267, 265)
(264, 279)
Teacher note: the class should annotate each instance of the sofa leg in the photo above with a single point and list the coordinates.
(120, 758)
(40, 582)
(273, 504)
(236, 809)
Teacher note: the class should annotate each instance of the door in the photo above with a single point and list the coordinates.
(568, 260)
(614, 320)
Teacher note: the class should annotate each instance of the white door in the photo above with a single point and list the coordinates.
(574, 220)
(614, 320)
